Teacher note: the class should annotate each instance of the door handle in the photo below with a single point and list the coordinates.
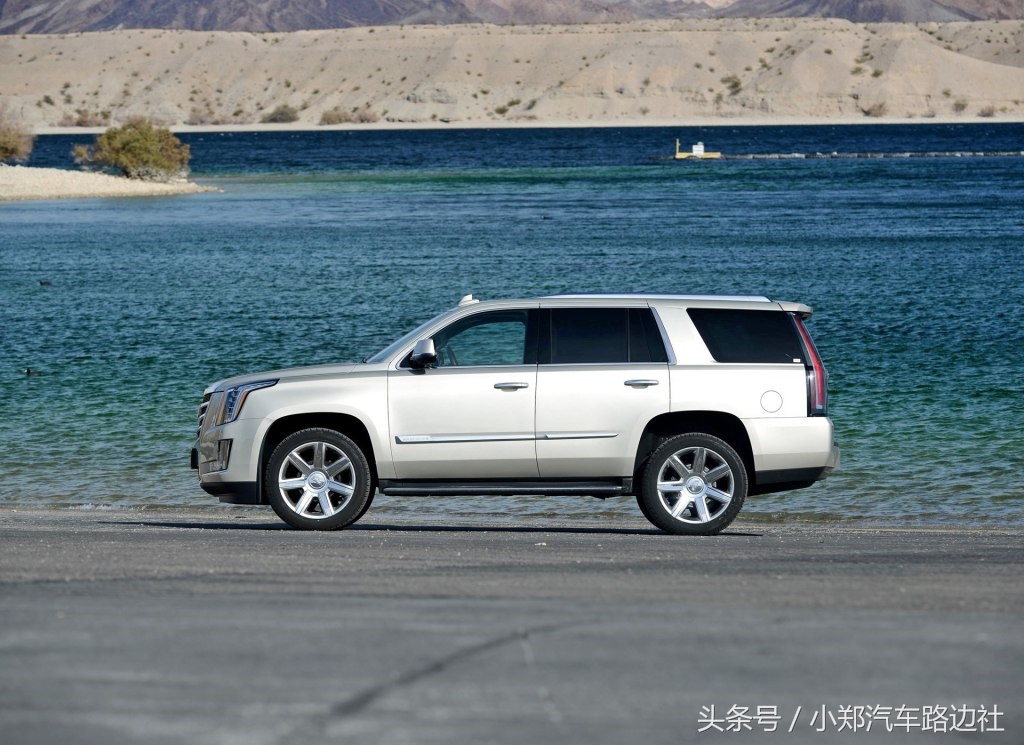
(511, 386)
(641, 383)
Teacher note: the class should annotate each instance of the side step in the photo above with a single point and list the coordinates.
(600, 489)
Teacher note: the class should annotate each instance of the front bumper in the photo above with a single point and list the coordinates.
(225, 462)
(230, 492)
(234, 492)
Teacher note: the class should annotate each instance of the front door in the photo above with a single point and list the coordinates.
(472, 415)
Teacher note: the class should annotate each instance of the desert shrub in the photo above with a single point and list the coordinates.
(137, 150)
(877, 110)
(959, 105)
(283, 114)
(85, 118)
(364, 115)
(199, 115)
(15, 139)
(732, 82)
(987, 111)
(335, 116)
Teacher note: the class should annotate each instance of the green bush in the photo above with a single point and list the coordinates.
(138, 150)
(15, 139)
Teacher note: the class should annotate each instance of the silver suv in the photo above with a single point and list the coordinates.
(689, 403)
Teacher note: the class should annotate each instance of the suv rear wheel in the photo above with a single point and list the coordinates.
(318, 479)
(693, 484)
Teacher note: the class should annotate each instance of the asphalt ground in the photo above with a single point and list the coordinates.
(224, 626)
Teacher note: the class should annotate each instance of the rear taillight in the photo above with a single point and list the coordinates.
(817, 375)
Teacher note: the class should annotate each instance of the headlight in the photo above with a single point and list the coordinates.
(234, 399)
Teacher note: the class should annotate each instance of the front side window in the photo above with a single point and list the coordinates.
(496, 338)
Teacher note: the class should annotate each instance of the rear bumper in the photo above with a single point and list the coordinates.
(833, 461)
(785, 479)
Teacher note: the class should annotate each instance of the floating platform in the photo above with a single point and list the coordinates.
(697, 152)
(851, 156)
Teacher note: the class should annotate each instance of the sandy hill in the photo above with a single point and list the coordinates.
(650, 71)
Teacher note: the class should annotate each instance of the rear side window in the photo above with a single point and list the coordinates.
(748, 335)
(602, 335)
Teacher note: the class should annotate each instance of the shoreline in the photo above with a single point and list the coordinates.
(382, 515)
(688, 123)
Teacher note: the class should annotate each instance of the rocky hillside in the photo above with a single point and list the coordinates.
(71, 16)
(641, 72)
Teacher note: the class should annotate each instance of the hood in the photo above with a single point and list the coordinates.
(287, 374)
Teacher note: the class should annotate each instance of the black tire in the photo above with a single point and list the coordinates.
(640, 491)
(318, 479)
(706, 480)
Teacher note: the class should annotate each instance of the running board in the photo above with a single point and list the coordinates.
(600, 489)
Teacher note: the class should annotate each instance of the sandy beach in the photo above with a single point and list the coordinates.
(23, 183)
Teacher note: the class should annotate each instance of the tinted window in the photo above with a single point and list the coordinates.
(603, 335)
(645, 342)
(497, 338)
(748, 335)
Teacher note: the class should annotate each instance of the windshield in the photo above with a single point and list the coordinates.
(409, 338)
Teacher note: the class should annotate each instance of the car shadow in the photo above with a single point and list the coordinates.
(393, 528)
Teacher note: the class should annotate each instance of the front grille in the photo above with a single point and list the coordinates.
(202, 412)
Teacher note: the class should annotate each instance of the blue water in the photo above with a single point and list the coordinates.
(324, 246)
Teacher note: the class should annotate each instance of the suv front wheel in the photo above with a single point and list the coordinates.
(693, 484)
(318, 479)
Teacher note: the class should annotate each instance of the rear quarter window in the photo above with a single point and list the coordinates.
(748, 335)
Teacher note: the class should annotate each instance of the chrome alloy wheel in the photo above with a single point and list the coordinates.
(695, 484)
(316, 480)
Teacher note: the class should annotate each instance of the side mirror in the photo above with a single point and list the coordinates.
(423, 354)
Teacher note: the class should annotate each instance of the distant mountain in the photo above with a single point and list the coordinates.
(861, 11)
(70, 16)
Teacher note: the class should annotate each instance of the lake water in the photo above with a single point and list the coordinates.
(324, 246)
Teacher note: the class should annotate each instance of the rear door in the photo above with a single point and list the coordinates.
(603, 375)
